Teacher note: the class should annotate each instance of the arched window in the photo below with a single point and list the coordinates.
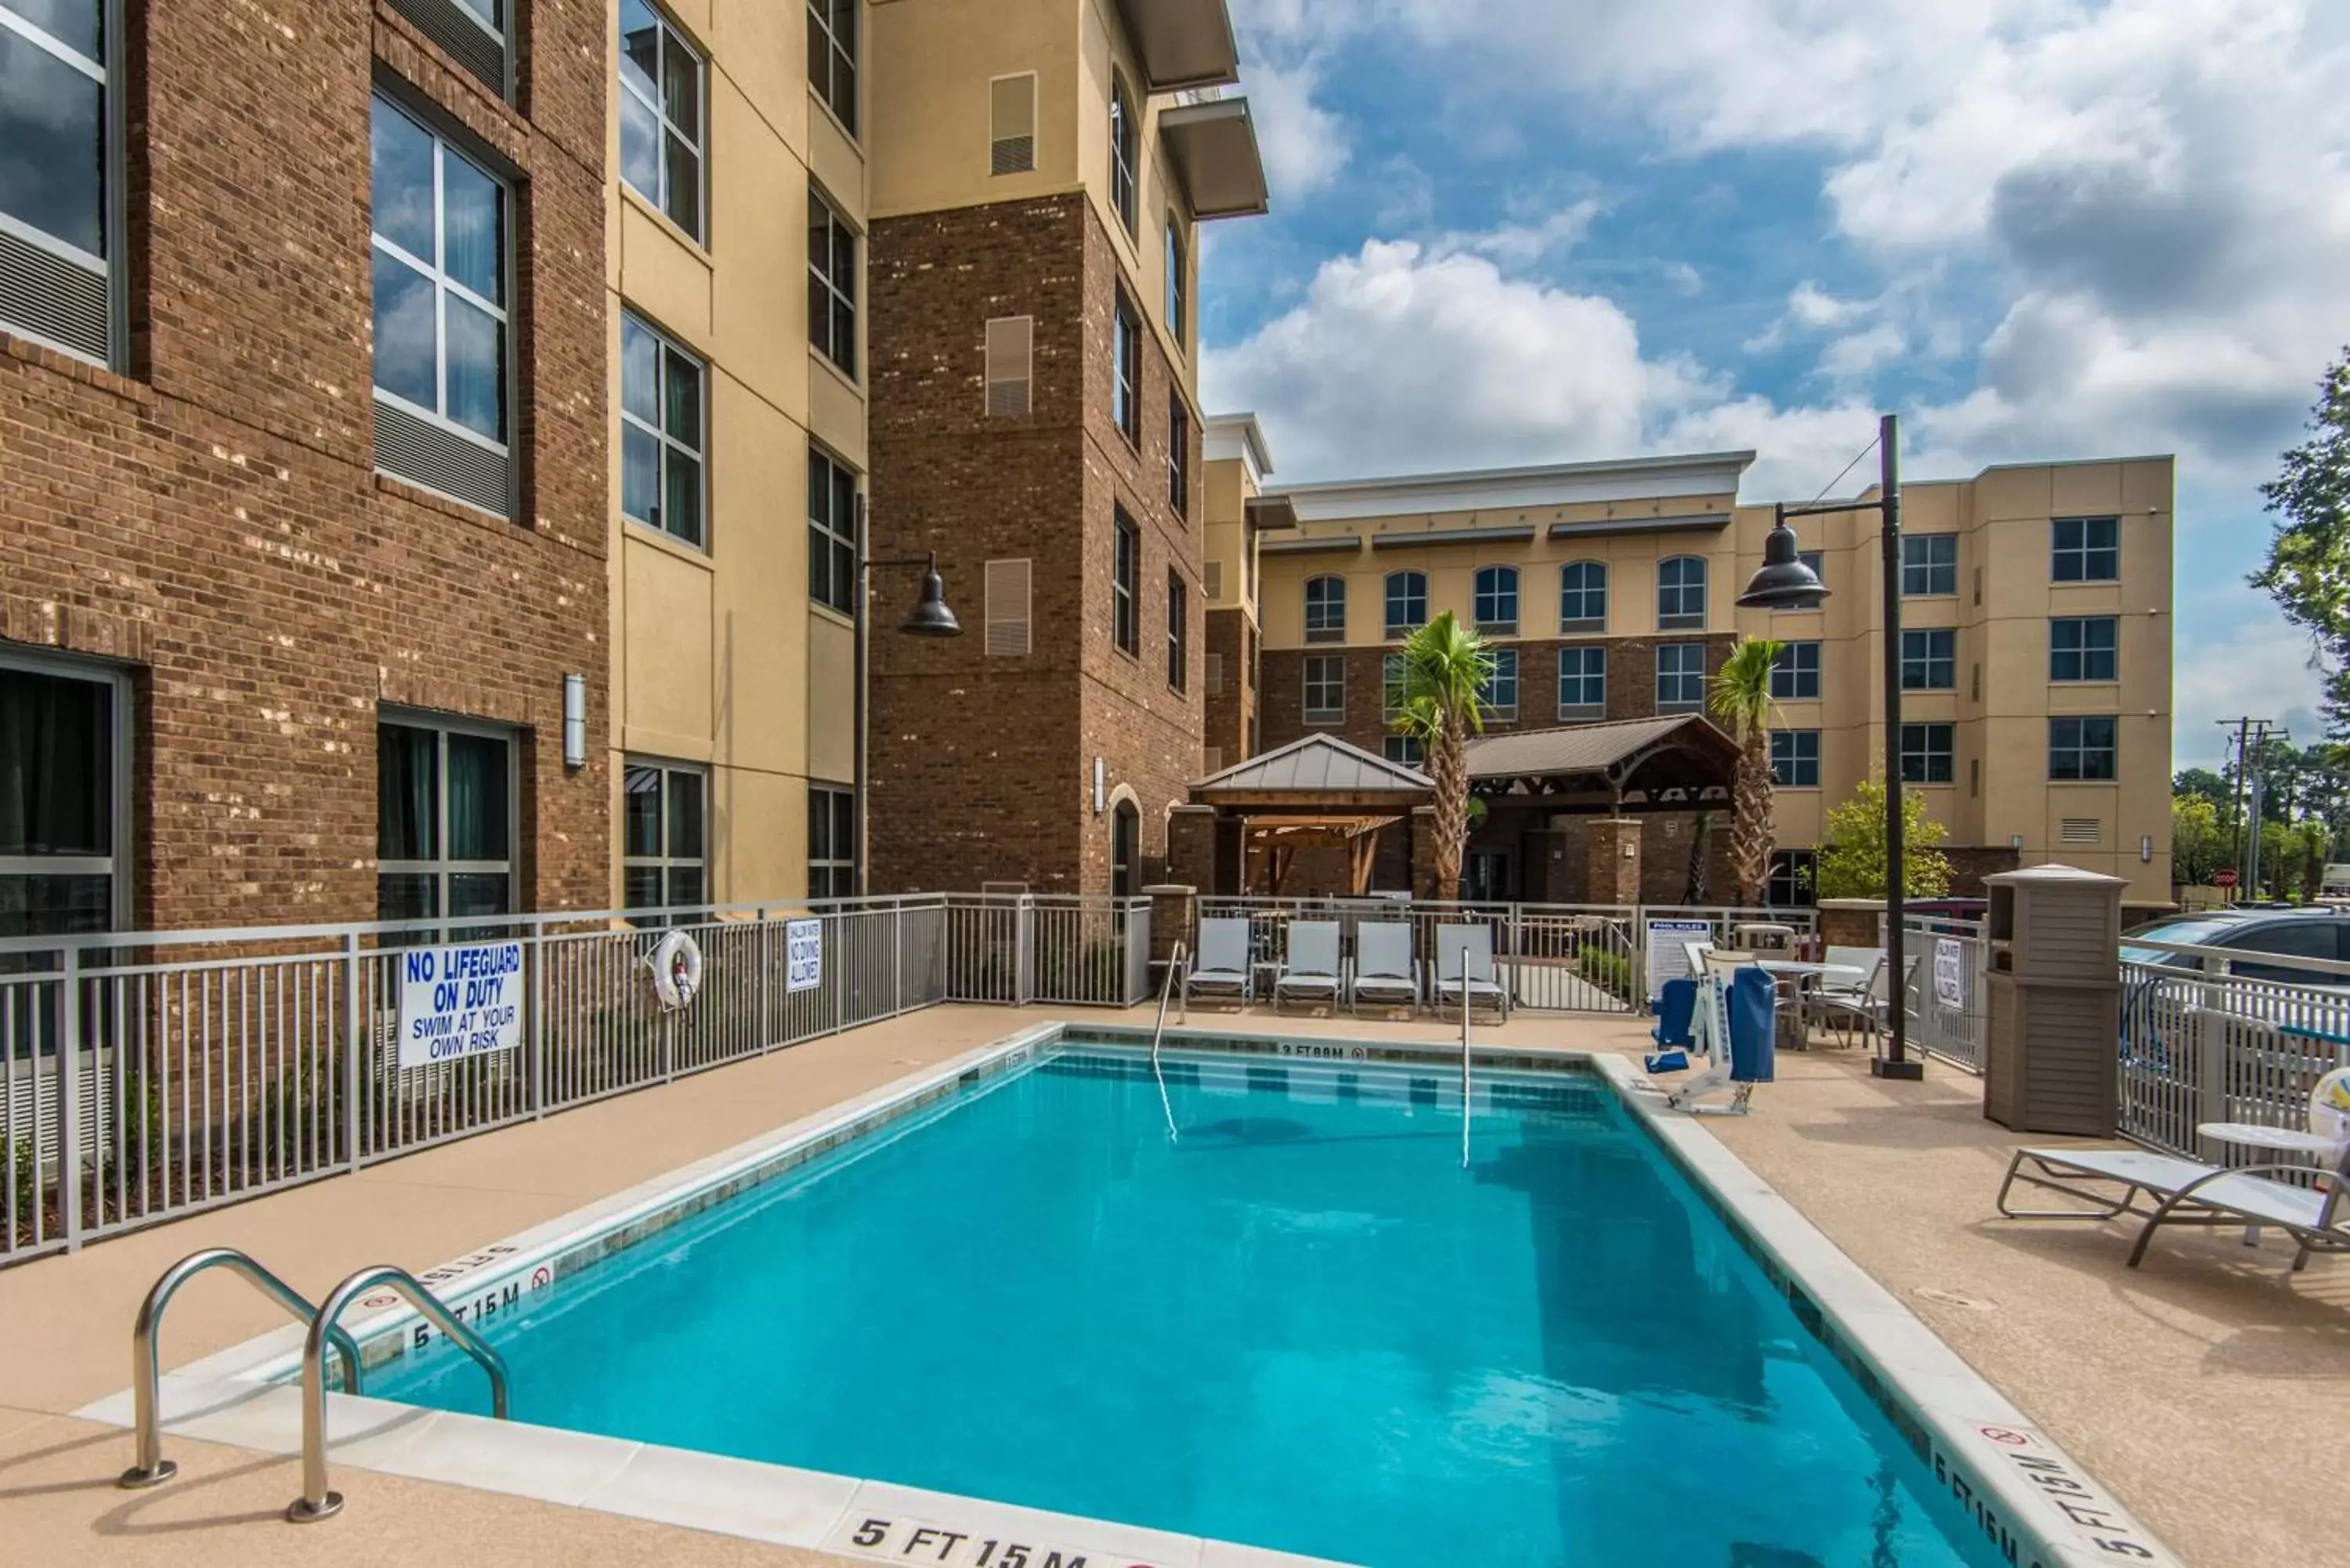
(1125, 849)
(1407, 601)
(1680, 594)
(1326, 609)
(1582, 596)
(1497, 600)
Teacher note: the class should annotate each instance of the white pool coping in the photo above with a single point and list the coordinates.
(2038, 1507)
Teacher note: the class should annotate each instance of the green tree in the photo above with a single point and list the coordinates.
(2205, 783)
(1445, 671)
(2201, 840)
(1741, 698)
(2308, 567)
(1852, 863)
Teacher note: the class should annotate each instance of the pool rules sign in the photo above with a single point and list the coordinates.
(459, 1001)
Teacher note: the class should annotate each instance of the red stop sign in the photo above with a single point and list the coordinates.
(2224, 877)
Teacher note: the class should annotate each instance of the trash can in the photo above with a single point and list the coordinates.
(2053, 1029)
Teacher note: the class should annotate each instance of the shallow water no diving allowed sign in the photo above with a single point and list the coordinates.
(459, 1001)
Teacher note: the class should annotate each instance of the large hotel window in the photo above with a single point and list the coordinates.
(1125, 584)
(439, 251)
(1795, 672)
(1326, 687)
(2081, 748)
(1582, 596)
(663, 850)
(57, 236)
(2084, 648)
(1680, 594)
(832, 285)
(1392, 687)
(444, 819)
(832, 533)
(63, 770)
(1406, 602)
(1178, 286)
(1929, 660)
(1178, 457)
(1796, 758)
(1583, 682)
(1122, 144)
(660, 114)
(1497, 600)
(1499, 695)
(1681, 676)
(1930, 566)
(1928, 753)
(1326, 609)
(1404, 751)
(832, 56)
(2085, 549)
(661, 426)
(832, 842)
(1126, 369)
(1792, 872)
(1179, 631)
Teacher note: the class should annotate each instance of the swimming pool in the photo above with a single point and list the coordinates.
(1301, 1325)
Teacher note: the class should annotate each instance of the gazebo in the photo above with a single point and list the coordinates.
(1316, 794)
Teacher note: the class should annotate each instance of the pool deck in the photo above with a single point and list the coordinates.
(2206, 1390)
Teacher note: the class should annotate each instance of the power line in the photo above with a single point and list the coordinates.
(1849, 467)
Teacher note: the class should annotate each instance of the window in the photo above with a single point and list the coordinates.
(832, 285)
(1406, 594)
(1179, 284)
(832, 533)
(1125, 851)
(440, 294)
(1126, 369)
(660, 114)
(1178, 457)
(1929, 660)
(1392, 687)
(1582, 596)
(1326, 609)
(1326, 687)
(661, 426)
(1681, 592)
(832, 56)
(2081, 748)
(1122, 142)
(1125, 584)
(2084, 648)
(1499, 695)
(1404, 751)
(1497, 600)
(1582, 682)
(832, 842)
(1681, 675)
(1817, 563)
(1926, 753)
(1796, 758)
(56, 238)
(1795, 673)
(64, 796)
(1792, 876)
(444, 819)
(1179, 631)
(1929, 565)
(663, 852)
(2085, 549)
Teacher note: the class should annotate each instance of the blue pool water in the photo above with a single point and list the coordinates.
(1301, 1326)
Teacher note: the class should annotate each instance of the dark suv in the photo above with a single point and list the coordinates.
(2319, 933)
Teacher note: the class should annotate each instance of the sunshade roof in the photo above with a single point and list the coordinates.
(1314, 764)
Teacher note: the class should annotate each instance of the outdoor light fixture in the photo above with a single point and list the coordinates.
(574, 721)
(931, 618)
(1101, 785)
(2146, 846)
(1785, 583)
(2015, 842)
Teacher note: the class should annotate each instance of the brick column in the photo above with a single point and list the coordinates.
(1192, 847)
(1172, 907)
(1423, 852)
(1614, 866)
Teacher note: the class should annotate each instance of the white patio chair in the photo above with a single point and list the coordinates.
(1384, 970)
(1311, 970)
(1464, 958)
(1843, 1005)
(1222, 967)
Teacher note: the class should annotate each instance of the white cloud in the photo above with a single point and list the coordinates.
(1521, 244)
(2261, 667)
(1304, 145)
(1685, 278)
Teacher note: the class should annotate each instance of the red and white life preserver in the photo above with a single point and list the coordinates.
(677, 969)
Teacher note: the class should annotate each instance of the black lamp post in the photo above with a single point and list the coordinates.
(931, 618)
(1785, 583)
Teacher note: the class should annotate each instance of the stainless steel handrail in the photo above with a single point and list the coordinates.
(318, 1503)
(1174, 969)
(146, 1331)
(1464, 1068)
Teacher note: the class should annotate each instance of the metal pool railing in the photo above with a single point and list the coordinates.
(1946, 994)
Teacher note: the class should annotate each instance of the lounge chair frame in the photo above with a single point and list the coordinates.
(2186, 1192)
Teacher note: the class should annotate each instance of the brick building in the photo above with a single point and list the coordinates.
(1035, 191)
(303, 404)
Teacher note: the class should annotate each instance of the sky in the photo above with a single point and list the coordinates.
(1546, 231)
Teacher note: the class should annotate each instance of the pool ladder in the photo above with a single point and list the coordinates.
(1464, 1073)
(1174, 970)
(317, 1501)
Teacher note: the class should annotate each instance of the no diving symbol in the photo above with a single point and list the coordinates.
(540, 1278)
(2002, 1435)
(379, 1299)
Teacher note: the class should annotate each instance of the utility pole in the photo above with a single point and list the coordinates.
(2236, 803)
(2253, 738)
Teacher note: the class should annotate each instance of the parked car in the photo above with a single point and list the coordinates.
(2315, 933)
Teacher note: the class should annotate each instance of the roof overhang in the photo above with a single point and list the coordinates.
(1182, 43)
(1213, 148)
(1227, 438)
(1271, 513)
(1694, 523)
(1326, 545)
(1434, 537)
(1583, 767)
(1643, 479)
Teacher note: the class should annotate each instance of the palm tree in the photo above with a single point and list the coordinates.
(1445, 671)
(1741, 698)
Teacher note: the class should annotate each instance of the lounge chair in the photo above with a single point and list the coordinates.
(2186, 1192)
(1384, 972)
(1464, 959)
(1222, 967)
(1310, 970)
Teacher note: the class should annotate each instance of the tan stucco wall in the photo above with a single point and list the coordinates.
(718, 658)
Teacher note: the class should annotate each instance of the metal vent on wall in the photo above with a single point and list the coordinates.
(1211, 579)
(2079, 830)
(1211, 760)
(1012, 124)
(1215, 677)
(1011, 340)
(1007, 609)
(408, 448)
(459, 31)
(52, 298)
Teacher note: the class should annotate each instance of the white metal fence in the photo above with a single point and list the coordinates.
(1945, 992)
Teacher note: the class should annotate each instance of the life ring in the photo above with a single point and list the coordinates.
(677, 969)
(2329, 1107)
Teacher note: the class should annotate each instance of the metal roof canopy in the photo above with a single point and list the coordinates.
(1317, 778)
(1212, 145)
(1668, 763)
(1182, 43)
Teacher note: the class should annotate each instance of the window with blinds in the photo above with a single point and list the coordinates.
(1011, 342)
(1007, 586)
